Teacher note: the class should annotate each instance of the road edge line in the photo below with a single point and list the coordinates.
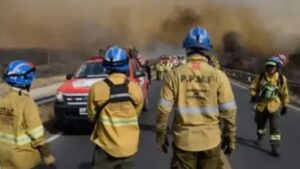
(54, 137)
(294, 107)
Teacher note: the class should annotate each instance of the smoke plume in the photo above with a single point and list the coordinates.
(91, 24)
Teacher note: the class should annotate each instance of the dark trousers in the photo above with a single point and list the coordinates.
(40, 166)
(209, 159)
(102, 160)
(261, 119)
(159, 75)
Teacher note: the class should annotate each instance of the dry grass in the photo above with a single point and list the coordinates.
(40, 82)
(47, 81)
(48, 117)
(46, 110)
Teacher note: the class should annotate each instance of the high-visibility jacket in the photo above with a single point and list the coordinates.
(272, 105)
(168, 66)
(21, 131)
(116, 130)
(159, 67)
(201, 96)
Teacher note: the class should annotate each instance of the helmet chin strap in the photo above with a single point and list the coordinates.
(195, 51)
(20, 90)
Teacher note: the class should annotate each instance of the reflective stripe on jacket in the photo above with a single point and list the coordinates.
(21, 131)
(117, 130)
(274, 104)
(201, 96)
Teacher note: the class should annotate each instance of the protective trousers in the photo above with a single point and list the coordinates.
(102, 160)
(261, 119)
(209, 159)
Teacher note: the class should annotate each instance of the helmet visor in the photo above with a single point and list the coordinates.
(271, 63)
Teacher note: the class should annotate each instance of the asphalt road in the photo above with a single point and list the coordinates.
(74, 151)
(248, 155)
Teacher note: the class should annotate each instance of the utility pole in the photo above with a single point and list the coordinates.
(48, 56)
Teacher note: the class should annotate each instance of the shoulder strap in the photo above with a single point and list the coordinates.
(126, 81)
(99, 108)
(260, 78)
(114, 89)
(108, 82)
(280, 80)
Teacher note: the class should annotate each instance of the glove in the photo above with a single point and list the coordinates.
(227, 145)
(163, 147)
(283, 110)
(47, 157)
(49, 160)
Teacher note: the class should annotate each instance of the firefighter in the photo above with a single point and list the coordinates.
(114, 105)
(159, 70)
(148, 70)
(22, 139)
(141, 61)
(132, 52)
(202, 98)
(214, 61)
(268, 91)
(181, 60)
(168, 66)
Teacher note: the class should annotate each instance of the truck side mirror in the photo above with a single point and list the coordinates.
(69, 76)
(138, 74)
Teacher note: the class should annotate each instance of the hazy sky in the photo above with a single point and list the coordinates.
(92, 23)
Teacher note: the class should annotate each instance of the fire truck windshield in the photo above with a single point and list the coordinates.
(90, 70)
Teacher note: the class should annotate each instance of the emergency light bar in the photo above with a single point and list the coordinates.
(96, 58)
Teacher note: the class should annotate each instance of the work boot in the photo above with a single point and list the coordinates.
(275, 151)
(259, 140)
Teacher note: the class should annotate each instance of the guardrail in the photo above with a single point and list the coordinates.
(247, 77)
(44, 99)
(45, 94)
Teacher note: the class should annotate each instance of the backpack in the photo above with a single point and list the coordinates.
(118, 93)
(268, 91)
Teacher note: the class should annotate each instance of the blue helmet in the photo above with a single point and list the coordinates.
(116, 60)
(197, 38)
(19, 74)
(271, 62)
(277, 60)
